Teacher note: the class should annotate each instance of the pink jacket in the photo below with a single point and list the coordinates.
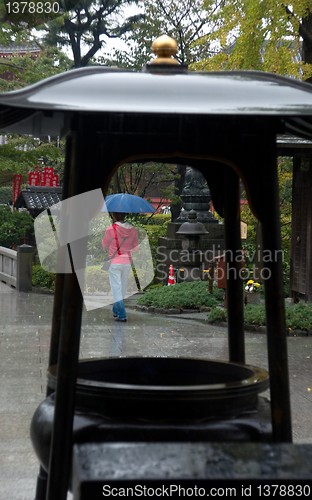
(127, 239)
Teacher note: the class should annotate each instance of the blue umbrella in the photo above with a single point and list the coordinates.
(127, 203)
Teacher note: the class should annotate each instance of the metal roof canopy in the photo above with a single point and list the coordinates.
(225, 125)
(111, 90)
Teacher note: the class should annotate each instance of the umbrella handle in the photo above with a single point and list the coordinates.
(137, 281)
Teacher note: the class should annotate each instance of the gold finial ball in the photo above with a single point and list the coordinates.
(165, 47)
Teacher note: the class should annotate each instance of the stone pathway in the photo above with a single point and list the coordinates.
(25, 325)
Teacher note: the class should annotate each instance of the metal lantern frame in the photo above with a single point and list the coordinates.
(226, 125)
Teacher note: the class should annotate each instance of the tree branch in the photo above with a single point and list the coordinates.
(11, 65)
(303, 31)
(74, 43)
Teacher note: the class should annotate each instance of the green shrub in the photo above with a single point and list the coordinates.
(254, 314)
(153, 234)
(97, 230)
(42, 278)
(218, 293)
(187, 295)
(5, 195)
(155, 228)
(299, 316)
(217, 314)
(96, 280)
(155, 220)
(16, 227)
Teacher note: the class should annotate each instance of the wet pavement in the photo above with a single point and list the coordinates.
(25, 325)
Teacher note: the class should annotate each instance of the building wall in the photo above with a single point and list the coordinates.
(301, 259)
(11, 52)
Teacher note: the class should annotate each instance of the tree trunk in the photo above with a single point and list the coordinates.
(178, 186)
(306, 33)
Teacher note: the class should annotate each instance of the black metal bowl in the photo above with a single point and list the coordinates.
(166, 388)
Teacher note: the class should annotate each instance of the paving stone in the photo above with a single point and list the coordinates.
(25, 326)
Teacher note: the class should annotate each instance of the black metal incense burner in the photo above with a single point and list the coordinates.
(153, 398)
(225, 125)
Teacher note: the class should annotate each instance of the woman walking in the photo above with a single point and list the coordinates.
(120, 239)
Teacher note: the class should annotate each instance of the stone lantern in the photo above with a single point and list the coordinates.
(195, 238)
(191, 254)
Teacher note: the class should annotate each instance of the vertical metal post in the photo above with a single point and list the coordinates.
(42, 479)
(275, 307)
(68, 354)
(59, 280)
(234, 284)
(61, 443)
